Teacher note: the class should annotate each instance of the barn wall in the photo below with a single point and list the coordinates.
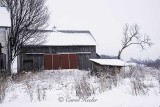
(35, 53)
(4, 33)
(97, 69)
(30, 62)
(57, 49)
(2, 62)
(3, 40)
(83, 61)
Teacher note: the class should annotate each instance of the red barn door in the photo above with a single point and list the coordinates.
(56, 61)
(65, 61)
(73, 61)
(48, 62)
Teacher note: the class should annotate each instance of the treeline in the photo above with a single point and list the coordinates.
(147, 62)
(108, 57)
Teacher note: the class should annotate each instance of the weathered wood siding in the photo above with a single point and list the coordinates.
(2, 62)
(57, 49)
(3, 39)
(36, 64)
(98, 69)
(4, 31)
(35, 53)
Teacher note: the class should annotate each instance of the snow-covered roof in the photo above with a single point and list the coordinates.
(111, 62)
(70, 38)
(4, 17)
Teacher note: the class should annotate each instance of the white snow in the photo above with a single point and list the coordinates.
(69, 39)
(4, 17)
(112, 62)
(60, 83)
(131, 64)
(119, 97)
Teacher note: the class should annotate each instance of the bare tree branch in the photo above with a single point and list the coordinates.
(131, 36)
(27, 17)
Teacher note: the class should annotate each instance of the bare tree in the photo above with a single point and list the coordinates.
(28, 17)
(132, 36)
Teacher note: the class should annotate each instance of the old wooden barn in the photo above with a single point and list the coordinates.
(64, 49)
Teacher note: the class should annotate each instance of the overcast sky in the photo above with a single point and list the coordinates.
(106, 19)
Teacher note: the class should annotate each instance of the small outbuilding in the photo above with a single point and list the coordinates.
(64, 49)
(111, 66)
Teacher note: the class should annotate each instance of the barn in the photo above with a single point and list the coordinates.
(64, 49)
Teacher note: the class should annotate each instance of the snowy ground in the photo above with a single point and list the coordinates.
(77, 88)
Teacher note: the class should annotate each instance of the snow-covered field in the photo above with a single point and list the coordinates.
(138, 87)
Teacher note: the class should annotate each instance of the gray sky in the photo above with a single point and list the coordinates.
(106, 19)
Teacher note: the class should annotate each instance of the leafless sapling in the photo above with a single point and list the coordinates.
(132, 36)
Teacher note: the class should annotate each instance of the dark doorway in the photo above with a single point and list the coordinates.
(28, 65)
(2, 62)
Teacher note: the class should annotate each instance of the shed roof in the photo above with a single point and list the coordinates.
(111, 62)
(4, 17)
(70, 38)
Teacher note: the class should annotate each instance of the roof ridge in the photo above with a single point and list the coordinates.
(74, 31)
(77, 31)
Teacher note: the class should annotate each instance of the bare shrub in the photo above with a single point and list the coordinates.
(13, 97)
(115, 80)
(22, 76)
(3, 87)
(138, 87)
(154, 72)
(122, 74)
(83, 88)
(104, 82)
(41, 93)
(137, 76)
(137, 72)
(126, 72)
(30, 89)
(129, 72)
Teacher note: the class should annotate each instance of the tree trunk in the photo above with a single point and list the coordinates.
(9, 55)
(119, 55)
